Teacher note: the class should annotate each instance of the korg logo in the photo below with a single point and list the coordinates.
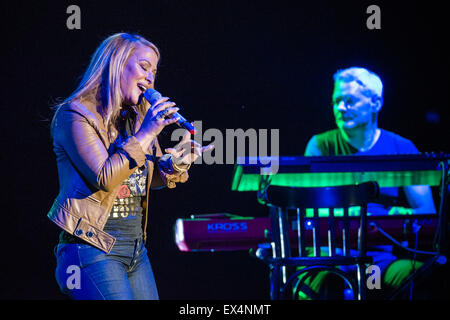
(227, 227)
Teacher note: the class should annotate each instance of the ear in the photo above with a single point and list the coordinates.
(377, 103)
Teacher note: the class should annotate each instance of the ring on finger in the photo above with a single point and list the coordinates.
(162, 114)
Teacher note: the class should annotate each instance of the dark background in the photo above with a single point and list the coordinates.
(231, 64)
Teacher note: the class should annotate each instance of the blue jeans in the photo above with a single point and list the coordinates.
(84, 272)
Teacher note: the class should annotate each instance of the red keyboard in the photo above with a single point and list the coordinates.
(226, 232)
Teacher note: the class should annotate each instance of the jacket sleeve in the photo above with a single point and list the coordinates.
(164, 174)
(80, 138)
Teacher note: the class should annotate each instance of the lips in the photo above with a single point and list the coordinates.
(344, 116)
(142, 87)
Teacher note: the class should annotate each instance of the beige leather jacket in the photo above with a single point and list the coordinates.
(90, 174)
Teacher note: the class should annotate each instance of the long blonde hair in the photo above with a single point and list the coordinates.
(104, 72)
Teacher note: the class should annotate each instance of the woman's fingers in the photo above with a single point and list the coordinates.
(163, 106)
(170, 121)
(192, 145)
(167, 112)
(186, 137)
(188, 152)
(198, 150)
(161, 100)
(174, 152)
(207, 148)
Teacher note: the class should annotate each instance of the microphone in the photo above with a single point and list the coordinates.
(152, 96)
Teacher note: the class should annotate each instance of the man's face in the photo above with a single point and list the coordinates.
(351, 107)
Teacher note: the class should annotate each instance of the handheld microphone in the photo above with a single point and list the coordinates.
(152, 96)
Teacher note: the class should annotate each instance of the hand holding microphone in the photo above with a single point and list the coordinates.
(154, 96)
(187, 150)
(155, 120)
(161, 114)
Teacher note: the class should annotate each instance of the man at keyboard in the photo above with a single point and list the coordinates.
(357, 99)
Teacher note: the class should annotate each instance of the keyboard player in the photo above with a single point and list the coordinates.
(357, 99)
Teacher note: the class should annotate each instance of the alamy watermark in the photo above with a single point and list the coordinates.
(74, 20)
(237, 146)
(74, 279)
(374, 279)
(374, 20)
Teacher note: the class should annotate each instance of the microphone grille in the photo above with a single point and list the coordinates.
(151, 95)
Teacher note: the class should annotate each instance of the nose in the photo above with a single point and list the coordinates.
(150, 78)
(342, 106)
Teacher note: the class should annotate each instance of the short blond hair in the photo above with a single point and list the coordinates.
(370, 82)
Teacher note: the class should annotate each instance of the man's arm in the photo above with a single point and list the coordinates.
(420, 199)
(312, 148)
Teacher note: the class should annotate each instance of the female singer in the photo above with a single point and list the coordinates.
(108, 158)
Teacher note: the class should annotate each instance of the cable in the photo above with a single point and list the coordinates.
(444, 183)
(443, 193)
(264, 184)
(399, 244)
(416, 229)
